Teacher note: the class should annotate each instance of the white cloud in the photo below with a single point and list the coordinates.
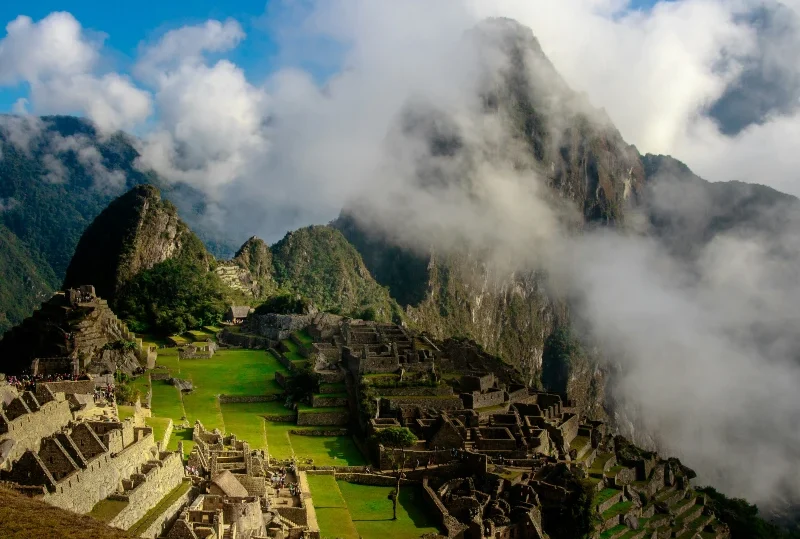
(59, 61)
(188, 43)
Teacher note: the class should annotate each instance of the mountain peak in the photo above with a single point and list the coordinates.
(135, 232)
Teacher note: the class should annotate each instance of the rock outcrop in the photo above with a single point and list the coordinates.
(134, 233)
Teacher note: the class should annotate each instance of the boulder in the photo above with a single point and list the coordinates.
(182, 385)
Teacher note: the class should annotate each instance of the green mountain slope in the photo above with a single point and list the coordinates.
(23, 284)
(320, 264)
(134, 233)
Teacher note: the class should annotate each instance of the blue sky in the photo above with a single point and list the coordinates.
(127, 24)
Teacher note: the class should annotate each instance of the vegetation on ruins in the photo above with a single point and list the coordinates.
(303, 383)
(170, 298)
(395, 437)
(285, 303)
(125, 391)
(742, 518)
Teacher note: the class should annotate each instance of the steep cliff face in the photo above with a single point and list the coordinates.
(550, 132)
(135, 232)
(575, 146)
(250, 271)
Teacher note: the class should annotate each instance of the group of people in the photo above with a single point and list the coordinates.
(278, 479)
(27, 382)
(191, 470)
(104, 393)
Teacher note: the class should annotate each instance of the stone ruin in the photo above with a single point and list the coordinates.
(73, 332)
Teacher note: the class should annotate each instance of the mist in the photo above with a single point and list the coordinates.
(703, 347)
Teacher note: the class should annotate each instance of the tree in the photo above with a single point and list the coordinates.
(171, 297)
(395, 437)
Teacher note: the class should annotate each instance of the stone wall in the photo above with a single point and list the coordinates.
(276, 326)
(164, 475)
(80, 491)
(28, 430)
(388, 456)
(319, 432)
(326, 401)
(164, 521)
(323, 418)
(230, 399)
(255, 486)
(449, 522)
(81, 387)
(242, 340)
(476, 399)
(420, 391)
(157, 376)
(373, 480)
(331, 377)
(434, 403)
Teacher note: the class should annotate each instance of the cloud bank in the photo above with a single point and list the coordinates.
(705, 347)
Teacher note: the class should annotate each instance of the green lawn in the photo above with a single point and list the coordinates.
(333, 516)
(105, 510)
(166, 401)
(325, 491)
(371, 512)
(197, 335)
(325, 450)
(124, 412)
(159, 426)
(304, 337)
(333, 388)
(181, 435)
(247, 422)
(293, 353)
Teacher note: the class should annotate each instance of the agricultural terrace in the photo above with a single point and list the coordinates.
(349, 511)
(238, 372)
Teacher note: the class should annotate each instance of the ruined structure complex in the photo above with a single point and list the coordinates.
(495, 459)
(73, 332)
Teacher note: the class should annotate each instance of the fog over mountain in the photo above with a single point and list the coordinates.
(415, 137)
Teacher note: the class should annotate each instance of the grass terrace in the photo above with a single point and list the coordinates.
(177, 340)
(147, 520)
(333, 388)
(159, 426)
(106, 510)
(349, 511)
(324, 450)
(241, 372)
(304, 337)
(371, 512)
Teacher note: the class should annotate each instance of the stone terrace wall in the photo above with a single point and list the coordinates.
(323, 401)
(421, 391)
(231, 399)
(28, 430)
(323, 418)
(158, 482)
(373, 480)
(80, 491)
(165, 520)
(440, 403)
(253, 342)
